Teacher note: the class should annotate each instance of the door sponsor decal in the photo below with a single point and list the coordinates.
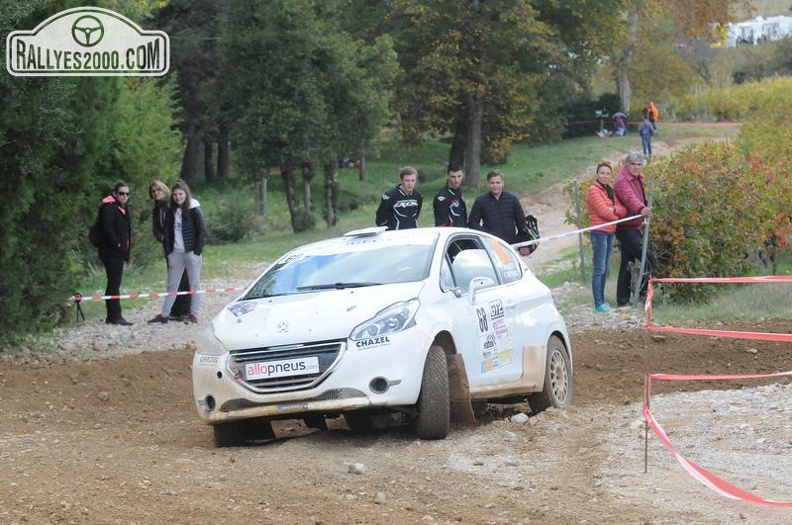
(494, 337)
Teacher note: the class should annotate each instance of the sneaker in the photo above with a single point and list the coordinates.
(623, 305)
(192, 318)
(604, 308)
(159, 319)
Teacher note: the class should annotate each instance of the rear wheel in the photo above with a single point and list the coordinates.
(434, 415)
(557, 390)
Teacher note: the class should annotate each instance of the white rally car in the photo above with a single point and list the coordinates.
(416, 323)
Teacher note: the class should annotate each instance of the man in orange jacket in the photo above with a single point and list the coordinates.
(653, 114)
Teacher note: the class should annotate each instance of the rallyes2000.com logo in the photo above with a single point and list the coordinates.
(87, 41)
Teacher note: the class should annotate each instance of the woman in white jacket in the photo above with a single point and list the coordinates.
(185, 236)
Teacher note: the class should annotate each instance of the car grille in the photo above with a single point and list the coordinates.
(328, 352)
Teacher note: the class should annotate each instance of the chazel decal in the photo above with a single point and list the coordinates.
(373, 342)
(494, 337)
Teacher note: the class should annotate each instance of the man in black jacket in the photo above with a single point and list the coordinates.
(497, 212)
(400, 207)
(449, 206)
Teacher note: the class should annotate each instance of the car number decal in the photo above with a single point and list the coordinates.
(494, 337)
(290, 367)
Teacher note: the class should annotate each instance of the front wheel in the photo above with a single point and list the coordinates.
(557, 389)
(434, 413)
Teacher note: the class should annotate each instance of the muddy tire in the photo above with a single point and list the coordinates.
(433, 420)
(557, 390)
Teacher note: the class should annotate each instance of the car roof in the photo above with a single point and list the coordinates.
(378, 235)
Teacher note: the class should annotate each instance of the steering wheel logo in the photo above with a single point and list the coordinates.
(87, 31)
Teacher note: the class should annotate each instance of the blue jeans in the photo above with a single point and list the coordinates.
(646, 141)
(602, 243)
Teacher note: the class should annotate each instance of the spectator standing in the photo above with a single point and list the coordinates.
(185, 236)
(603, 207)
(653, 114)
(400, 207)
(629, 189)
(160, 194)
(646, 138)
(449, 206)
(116, 228)
(498, 212)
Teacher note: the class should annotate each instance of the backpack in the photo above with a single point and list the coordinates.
(530, 233)
(95, 231)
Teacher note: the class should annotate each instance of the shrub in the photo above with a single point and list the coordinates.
(230, 216)
(716, 204)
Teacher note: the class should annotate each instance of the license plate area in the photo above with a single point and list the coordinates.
(281, 368)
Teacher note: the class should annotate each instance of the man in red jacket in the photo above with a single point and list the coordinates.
(630, 191)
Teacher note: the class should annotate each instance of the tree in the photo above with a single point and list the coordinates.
(688, 20)
(64, 141)
(298, 89)
(476, 70)
(193, 27)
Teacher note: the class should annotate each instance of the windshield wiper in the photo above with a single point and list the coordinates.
(335, 286)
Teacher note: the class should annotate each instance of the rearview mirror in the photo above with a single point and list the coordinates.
(476, 284)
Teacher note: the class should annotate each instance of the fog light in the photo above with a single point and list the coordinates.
(379, 385)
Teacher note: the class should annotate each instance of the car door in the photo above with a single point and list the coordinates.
(482, 323)
(528, 309)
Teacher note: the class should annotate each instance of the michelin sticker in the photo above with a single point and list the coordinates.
(494, 337)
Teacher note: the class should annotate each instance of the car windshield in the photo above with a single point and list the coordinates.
(305, 271)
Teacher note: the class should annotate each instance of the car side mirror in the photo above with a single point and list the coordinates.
(476, 284)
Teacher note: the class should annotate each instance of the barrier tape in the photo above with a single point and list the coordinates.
(574, 232)
(79, 298)
(734, 334)
(699, 473)
(705, 477)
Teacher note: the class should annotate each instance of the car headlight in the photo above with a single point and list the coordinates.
(394, 318)
(208, 344)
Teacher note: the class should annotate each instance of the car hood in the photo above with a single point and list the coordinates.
(301, 318)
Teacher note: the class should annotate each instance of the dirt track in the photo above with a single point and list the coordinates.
(118, 442)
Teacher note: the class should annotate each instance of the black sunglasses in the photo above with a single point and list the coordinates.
(124, 193)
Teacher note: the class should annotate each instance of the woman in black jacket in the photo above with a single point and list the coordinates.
(185, 235)
(160, 194)
(114, 247)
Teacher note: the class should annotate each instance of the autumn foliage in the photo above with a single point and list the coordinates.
(717, 203)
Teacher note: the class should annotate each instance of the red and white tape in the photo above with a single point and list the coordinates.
(698, 472)
(702, 475)
(79, 297)
(759, 336)
(573, 232)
